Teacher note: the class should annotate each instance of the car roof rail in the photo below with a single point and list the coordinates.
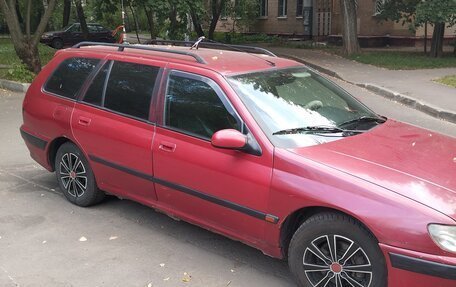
(214, 45)
(121, 47)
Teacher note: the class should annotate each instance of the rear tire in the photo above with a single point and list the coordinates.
(334, 250)
(75, 177)
(57, 43)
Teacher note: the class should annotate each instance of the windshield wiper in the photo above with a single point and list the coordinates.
(316, 130)
(377, 120)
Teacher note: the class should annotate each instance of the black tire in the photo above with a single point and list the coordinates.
(357, 254)
(57, 43)
(75, 177)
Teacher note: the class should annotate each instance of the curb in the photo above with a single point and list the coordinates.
(14, 86)
(423, 107)
(426, 108)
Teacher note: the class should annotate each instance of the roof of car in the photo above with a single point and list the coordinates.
(223, 61)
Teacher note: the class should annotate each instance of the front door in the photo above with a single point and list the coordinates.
(222, 189)
(112, 125)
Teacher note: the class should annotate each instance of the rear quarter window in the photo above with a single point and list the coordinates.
(69, 76)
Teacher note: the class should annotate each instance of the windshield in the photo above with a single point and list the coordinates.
(287, 102)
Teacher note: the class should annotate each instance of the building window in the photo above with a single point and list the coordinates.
(378, 6)
(299, 7)
(282, 8)
(263, 8)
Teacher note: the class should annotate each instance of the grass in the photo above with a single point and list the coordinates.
(448, 80)
(394, 60)
(15, 70)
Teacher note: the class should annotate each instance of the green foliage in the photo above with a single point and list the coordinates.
(404, 60)
(436, 11)
(20, 73)
(448, 80)
(240, 38)
(243, 12)
(9, 58)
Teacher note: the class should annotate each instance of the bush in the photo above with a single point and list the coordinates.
(20, 73)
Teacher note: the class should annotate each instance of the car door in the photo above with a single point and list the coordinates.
(73, 35)
(225, 190)
(112, 124)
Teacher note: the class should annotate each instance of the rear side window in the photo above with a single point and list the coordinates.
(129, 89)
(68, 78)
(94, 94)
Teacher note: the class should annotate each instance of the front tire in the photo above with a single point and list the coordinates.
(334, 250)
(75, 177)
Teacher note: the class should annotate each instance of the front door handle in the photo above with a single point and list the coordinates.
(167, 146)
(83, 121)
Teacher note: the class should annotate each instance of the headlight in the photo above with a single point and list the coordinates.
(444, 236)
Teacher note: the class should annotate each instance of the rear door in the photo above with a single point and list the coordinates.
(223, 189)
(112, 124)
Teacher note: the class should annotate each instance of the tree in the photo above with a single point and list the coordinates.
(216, 7)
(66, 12)
(438, 12)
(26, 44)
(82, 18)
(419, 12)
(349, 27)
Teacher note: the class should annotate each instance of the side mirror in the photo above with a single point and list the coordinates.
(229, 139)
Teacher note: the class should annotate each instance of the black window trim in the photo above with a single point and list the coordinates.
(222, 96)
(81, 89)
(103, 108)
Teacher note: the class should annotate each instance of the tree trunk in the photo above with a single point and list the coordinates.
(136, 22)
(150, 22)
(30, 56)
(216, 6)
(437, 40)
(349, 27)
(66, 12)
(26, 47)
(82, 19)
(196, 22)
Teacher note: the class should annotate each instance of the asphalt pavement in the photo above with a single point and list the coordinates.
(47, 241)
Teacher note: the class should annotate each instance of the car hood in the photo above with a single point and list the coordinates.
(416, 163)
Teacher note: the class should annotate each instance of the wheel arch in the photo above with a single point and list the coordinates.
(54, 147)
(294, 220)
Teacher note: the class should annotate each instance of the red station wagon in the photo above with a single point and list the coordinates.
(259, 148)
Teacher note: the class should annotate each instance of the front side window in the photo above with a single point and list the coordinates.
(192, 106)
(296, 107)
(282, 8)
(129, 89)
(68, 78)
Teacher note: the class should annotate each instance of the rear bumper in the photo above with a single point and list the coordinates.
(38, 148)
(411, 268)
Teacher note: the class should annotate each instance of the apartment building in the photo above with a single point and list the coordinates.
(321, 20)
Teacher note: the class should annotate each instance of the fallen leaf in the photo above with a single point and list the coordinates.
(162, 264)
(166, 279)
(82, 239)
(186, 277)
(42, 194)
(149, 285)
(44, 241)
(113, 238)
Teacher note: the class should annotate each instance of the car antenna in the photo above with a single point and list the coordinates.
(200, 39)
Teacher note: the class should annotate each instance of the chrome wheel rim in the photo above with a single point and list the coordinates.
(73, 174)
(336, 261)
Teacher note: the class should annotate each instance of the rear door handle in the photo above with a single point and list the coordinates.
(84, 121)
(167, 146)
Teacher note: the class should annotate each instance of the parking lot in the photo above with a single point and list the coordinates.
(46, 241)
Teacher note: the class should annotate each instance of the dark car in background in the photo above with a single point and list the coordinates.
(72, 34)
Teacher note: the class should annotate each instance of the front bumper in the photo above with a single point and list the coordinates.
(411, 268)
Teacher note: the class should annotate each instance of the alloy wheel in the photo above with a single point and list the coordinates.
(73, 174)
(336, 261)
